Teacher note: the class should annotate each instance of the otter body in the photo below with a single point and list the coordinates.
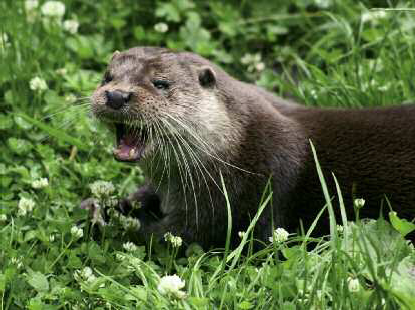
(188, 123)
(369, 151)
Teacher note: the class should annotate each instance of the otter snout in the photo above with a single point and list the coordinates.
(116, 99)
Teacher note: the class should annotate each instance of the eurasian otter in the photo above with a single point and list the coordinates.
(187, 123)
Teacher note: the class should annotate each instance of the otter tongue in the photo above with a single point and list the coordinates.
(129, 148)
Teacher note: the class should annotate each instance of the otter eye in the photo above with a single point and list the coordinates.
(161, 84)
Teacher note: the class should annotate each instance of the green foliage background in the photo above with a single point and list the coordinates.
(319, 52)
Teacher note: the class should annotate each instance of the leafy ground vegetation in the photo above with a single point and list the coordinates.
(54, 155)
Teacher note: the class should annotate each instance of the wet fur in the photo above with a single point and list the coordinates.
(253, 135)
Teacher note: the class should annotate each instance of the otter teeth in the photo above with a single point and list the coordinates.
(130, 145)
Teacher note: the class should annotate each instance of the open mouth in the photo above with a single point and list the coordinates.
(130, 142)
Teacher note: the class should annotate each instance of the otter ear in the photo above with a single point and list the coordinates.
(115, 54)
(207, 77)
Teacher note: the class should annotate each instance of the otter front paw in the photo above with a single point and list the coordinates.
(143, 204)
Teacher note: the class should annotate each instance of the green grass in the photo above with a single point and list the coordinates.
(327, 53)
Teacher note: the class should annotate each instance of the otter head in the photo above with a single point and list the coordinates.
(155, 98)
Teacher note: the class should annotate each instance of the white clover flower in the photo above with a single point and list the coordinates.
(54, 9)
(313, 93)
(25, 206)
(115, 214)
(112, 203)
(167, 236)
(323, 4)
(17, 261)
(260, 66)
(71, 98)
(176, 241)
(71, 26)
(247, 59)
(280, 235)
(120, 257)
(102, 188)
(38, 84)
(3, 217)
(359, 203)
(353, 284)
(77, 232)
(129, 247)
(127, 222)
(31, 5)
(31, 10)
(61, 71)
(130, 222)
(171, 285)
(253, 61)
(373, 16)
(241, 234)
(85, 274)
(161, 27)
(257, 57)
(41, 183)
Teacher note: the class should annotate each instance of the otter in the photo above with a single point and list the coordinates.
(189, 125)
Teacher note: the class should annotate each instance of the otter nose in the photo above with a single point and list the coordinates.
(117, 98)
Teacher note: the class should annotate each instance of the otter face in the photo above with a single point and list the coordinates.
(154, 98)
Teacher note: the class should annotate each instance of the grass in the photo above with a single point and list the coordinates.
(327, 53)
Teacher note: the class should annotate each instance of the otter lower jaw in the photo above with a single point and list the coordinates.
(130, 143)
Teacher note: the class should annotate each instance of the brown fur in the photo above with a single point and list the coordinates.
(252, 135)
